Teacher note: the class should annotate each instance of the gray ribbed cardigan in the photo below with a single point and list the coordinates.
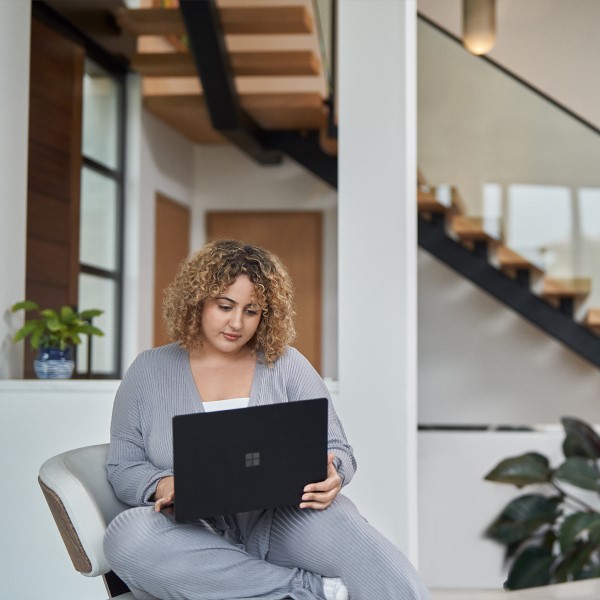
(159, 385)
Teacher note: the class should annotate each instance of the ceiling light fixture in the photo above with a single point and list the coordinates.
(479, 25)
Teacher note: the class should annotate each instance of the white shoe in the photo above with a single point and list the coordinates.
(334, 588)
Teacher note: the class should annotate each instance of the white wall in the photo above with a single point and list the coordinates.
(481, 363)
(477, 125)
(548, 43)
(377, 259)
(15, 25)
(159, 159)
(41, 419)
(227, 179)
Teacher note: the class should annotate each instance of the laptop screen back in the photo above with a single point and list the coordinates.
(247, 459)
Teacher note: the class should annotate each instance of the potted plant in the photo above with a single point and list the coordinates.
(53, 333)
(553, 534)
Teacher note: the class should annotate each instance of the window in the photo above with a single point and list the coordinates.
(101, 217)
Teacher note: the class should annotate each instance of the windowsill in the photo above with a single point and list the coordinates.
(59, 385)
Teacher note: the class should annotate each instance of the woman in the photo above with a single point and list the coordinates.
(230, 312)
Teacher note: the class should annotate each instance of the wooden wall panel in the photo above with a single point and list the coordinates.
(54, 170)
(172, 246)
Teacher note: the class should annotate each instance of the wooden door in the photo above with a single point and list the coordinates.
(296, 238)
(172, 245)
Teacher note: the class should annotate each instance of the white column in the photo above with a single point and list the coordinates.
(15, 27)
(377, 259)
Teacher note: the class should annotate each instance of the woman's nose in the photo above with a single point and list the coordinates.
(236, 319)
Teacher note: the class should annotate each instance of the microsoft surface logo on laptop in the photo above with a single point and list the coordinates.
(252, 459)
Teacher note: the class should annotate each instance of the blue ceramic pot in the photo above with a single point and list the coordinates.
(54, 363)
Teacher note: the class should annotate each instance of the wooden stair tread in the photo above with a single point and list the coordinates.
(592, 318)
(428, 199)
(509, 259)
(265, 64)
(574, 287)
(469, 228)
(293, 62)
(261, 18)
(164, 64)
(269, 18)
(188, 114)
(150, 21)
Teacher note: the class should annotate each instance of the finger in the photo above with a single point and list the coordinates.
(330, 483)
(162, 502)
(315, 505)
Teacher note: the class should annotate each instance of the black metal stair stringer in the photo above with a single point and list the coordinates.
(207, 45)
(212, 63)
(304, 148)
(434, 239)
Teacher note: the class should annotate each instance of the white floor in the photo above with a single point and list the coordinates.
(578, 590)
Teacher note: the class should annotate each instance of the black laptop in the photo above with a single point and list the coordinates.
(247, 459)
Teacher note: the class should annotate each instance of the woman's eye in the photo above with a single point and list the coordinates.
(251, 313)
(224, 307)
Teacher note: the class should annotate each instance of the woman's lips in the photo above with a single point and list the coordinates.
(232, 337)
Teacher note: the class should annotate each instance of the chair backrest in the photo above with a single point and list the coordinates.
(82, 502)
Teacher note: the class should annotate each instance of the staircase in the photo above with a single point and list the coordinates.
(245, 71)
(270, 93)
(465, 244)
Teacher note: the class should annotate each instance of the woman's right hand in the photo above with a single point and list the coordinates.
(165, 493)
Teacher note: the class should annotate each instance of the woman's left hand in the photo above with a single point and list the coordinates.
(320, 495)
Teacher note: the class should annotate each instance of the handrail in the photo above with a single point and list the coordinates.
(513, 75)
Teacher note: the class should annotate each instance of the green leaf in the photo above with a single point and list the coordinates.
(54, 325)
(590, 572)
(580, 472)
(522, 517)
(522, 470)
(26, 330)
(531, 568)
(36, 336)
(573, 562)
(581, 439)
(67, 314)
(90, 330)
(579, 526)
(91, 313)
(24, 305)
(49, 313)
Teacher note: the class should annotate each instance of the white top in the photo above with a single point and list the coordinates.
(230, 404)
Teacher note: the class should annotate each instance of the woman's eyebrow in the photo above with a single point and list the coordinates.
(227, 299)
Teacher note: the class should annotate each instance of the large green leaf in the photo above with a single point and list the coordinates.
(590, 572)
(581, 439)
(522, 470)
(581, 472)
(24, 305)
(579, 526)
(89, 314)
(522, 517)
(573, 562)
(531, 568)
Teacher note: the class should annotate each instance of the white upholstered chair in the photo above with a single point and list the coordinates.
(82, 503)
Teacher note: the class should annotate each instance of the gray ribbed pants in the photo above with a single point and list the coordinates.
(268, 555)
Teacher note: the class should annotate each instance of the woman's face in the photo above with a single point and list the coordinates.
(230, 320)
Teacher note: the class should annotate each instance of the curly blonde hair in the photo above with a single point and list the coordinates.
(209, 272)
